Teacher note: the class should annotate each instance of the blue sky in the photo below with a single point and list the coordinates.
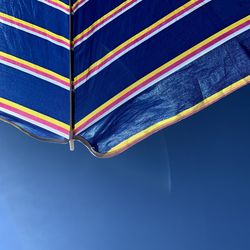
(185, 188)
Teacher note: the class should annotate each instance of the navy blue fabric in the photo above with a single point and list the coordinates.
(155, 52)
(92, 11)
(23, 88)
(134, 20)
(213, 16)
(211, 73)
(182, 90)
(34, 49)
(37, 13)
(33, 130)
(34, 93)
(67, 1)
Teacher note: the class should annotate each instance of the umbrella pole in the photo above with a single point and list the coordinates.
(71, 76)
(72, 145)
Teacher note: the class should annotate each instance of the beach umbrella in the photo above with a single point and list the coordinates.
(111, 73)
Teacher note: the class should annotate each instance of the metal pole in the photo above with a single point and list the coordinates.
(71, 77)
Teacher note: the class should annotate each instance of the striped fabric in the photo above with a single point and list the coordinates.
(129, 67)
(34, 69)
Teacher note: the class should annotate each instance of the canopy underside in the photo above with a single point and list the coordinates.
(110, 75)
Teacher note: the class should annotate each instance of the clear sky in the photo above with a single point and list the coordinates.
(185, 188)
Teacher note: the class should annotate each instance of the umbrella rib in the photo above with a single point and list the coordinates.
(71, 76)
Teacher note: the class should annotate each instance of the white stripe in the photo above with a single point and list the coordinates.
(62, 9)
(53, 6)
(107, 22)
(34, 33)
(167, 74)
(140, 42)
(34, 122)
(34, 74)
(80, 5)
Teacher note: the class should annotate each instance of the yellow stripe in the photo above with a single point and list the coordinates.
(148, 29)
(34, 66)
(96, 23)
(134, 85)
(75, 4)
(33, 26)
(34, 113)
(64, 5)
(184, 114)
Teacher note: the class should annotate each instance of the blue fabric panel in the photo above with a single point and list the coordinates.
(110, 36)
(34, 93)
(67, 1)
(150, 55)
(182, 90)
(34, 49)
(210, 18)
(33, 130)
(37, 13)
(23, 88)
(209, 74)
(92, 11)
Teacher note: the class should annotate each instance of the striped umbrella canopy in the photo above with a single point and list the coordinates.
(110, 73)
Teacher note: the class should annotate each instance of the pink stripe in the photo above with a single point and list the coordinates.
(57, 5)
(105, 20)
(34, 118)
(148, 81)
(36, 31)
(137, 40)
(34, 70)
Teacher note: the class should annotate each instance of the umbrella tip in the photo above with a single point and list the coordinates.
(72, 145)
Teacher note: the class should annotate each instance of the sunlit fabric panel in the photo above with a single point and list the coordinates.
(34, 67)
(141, 66)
